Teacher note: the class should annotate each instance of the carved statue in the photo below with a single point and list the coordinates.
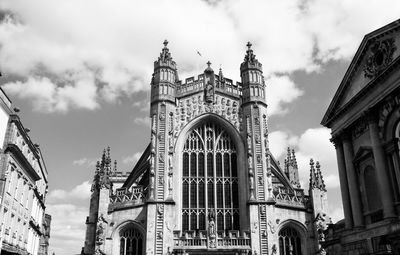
(209, 92)
(250, 160)
(211, 229)
(249, 143)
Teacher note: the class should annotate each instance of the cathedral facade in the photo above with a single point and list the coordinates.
(207, 183)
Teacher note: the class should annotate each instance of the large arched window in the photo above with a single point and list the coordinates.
(209, 179)
(131, 242)
(289, 241)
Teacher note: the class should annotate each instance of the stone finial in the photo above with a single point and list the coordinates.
(250, 57)
(320, 181)
(165, 55)
(313, 177)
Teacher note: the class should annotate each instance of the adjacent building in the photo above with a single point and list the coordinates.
(207, 182)
(364, 116)
(23, 185)
(44, 239)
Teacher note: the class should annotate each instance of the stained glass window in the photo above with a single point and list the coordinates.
(209, 179)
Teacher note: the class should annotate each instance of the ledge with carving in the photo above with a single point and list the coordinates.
(127, 198)
(288, 198)
(198, 239)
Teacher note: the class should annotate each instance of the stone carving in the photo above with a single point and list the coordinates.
(260, 181)
(273, 225)
(161, 158)
(151, 184)
(321, 225)
(259, 158)
(153, 123)
(100, 230)
(160, 209)
(273, 250)
(249, 143)
(209, 92)
(98, 251)
(162, 116)
(211, 229)
(380, 56)
(170, 183)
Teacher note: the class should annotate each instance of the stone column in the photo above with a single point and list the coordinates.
(382, 170)
(356, 207)
(344, 186)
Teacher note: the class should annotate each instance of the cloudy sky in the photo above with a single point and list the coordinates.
(79, 70)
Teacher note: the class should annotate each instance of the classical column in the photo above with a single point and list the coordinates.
(358, 217)
(382, 170)
(344, 186)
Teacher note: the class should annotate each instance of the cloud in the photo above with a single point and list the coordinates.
(85, 52)
(68, 209)
(84, 162)
(130, 160)
(142, 121)
(67, 228)
(48, 97)
(80, 192)
(281, 90)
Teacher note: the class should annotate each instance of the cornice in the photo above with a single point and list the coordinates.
(14, 150)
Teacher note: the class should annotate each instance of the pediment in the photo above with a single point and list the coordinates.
(376, 53)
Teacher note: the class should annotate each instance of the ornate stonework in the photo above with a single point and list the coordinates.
(380, 56)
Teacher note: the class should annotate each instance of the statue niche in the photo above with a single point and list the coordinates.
(209, 92)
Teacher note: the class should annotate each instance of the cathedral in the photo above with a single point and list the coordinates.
(207, 182)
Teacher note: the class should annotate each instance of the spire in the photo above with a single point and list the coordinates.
(291, 169)
(103, 171)
(220, 74)
(294, 160)
(165, 55)
(165, 58)
(250, 57)
(313, 176)
(320, 180)
(115, 166)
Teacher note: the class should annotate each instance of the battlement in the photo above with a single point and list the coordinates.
(224, 85)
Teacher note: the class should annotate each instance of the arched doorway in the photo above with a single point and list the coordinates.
(131, 242)
(289, 241)
(209, 179)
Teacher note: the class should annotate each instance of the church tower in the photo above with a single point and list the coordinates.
(255, 131)
(163, 90)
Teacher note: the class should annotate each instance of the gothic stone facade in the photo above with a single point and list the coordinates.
(364, 117)
(207, 183)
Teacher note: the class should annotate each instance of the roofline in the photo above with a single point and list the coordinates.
(327, 119)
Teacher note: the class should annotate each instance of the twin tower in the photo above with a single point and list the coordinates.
(207, 182)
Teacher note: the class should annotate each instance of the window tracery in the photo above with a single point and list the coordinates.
(289, 241)
(131, 242)
(209, 179)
